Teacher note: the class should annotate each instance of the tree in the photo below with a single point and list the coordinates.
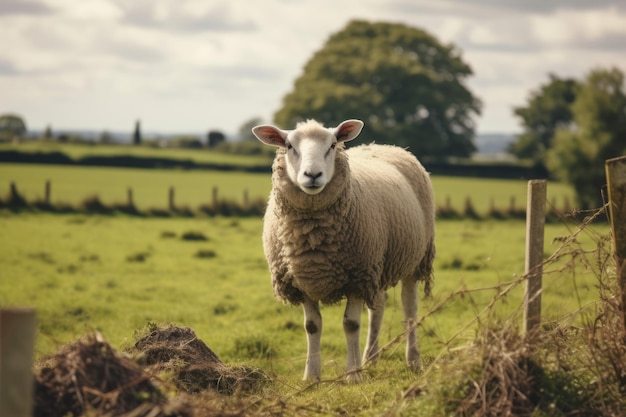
(599, 133)
(47, 133)
(137, 133)
(214, 138)
(11, 126)
(406, 86)
(548, 108)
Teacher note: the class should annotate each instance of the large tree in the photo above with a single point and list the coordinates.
(406, 86)
(11, 126)
(548, 109)
(599, 133)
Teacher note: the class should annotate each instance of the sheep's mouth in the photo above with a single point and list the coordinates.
(312, 189)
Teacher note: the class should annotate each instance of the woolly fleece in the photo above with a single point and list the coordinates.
(372, 226)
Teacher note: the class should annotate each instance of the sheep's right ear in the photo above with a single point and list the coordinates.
(270, 135)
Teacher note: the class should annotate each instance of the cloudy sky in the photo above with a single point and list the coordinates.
(187, 66)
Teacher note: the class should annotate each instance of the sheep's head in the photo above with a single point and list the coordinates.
(310, 150)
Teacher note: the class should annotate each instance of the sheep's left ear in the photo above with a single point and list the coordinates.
(348, 130)
(270, 135)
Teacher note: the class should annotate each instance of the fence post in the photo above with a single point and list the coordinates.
(616, 184)
(214, 196)
(17, 335)
(535, 222)
(171, 203)
(13, 191)
(129, 197)
(246, 198)
(47, 192)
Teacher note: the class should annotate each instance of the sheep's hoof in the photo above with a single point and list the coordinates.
(354, 376)
(415, 364)
(311, 378)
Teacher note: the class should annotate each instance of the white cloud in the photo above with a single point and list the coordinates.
(191, 65)
(572, 27)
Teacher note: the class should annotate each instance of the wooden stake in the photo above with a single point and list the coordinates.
(616, 184)
(47, 192)
(172, 205)
(215, 197)
(535, 222)
(17, 336)
(129, 197)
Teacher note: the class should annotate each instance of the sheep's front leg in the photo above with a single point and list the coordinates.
(375, 315)
(409, 305)
(351, 327)
(313, 327)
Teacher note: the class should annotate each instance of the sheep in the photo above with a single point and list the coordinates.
(347, 224)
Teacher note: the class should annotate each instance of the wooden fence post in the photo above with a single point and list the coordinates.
(616, 184)
(535, 222)
(246, 198)
(171, 202)
(129, 197)
(47, 192)
(214, 196)
(17, 336)
(13, 191)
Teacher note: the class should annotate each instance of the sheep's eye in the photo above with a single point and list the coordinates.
(289, 146)
(331, 148)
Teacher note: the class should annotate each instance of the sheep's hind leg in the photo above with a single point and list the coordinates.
(351, 327)
(409, 306)
(375, 315)
(313, 327)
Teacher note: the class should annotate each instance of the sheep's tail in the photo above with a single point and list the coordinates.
(425, 271)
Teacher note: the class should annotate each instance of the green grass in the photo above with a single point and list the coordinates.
(77, 151)
(151, 186)
(115, 274)
(71, 185)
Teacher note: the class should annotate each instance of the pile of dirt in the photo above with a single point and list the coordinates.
(88, 377)
(193, 365)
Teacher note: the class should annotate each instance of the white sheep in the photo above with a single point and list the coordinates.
(347, 224)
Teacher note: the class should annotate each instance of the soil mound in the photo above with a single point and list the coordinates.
(88, 377)
(193, 365)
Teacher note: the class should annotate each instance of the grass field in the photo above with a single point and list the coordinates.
(115, 274)
(71, 185)
(77, 151)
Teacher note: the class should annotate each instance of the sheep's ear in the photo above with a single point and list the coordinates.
(348, 130)
(270, 135)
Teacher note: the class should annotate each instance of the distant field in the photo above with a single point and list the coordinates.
(71, 184)
(77, 151)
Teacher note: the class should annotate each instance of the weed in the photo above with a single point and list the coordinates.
(138, 257)
(224, 308)
(205, 254)
(254, 347)
(194, 236)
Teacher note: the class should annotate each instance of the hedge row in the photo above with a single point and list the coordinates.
(454, 168)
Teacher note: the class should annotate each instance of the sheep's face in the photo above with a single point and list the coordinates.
(310, 150)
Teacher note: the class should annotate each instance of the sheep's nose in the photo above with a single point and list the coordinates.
(313, 176)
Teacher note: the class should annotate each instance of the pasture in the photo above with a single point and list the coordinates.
(72, 184)
(117, 274)
(78, 151)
